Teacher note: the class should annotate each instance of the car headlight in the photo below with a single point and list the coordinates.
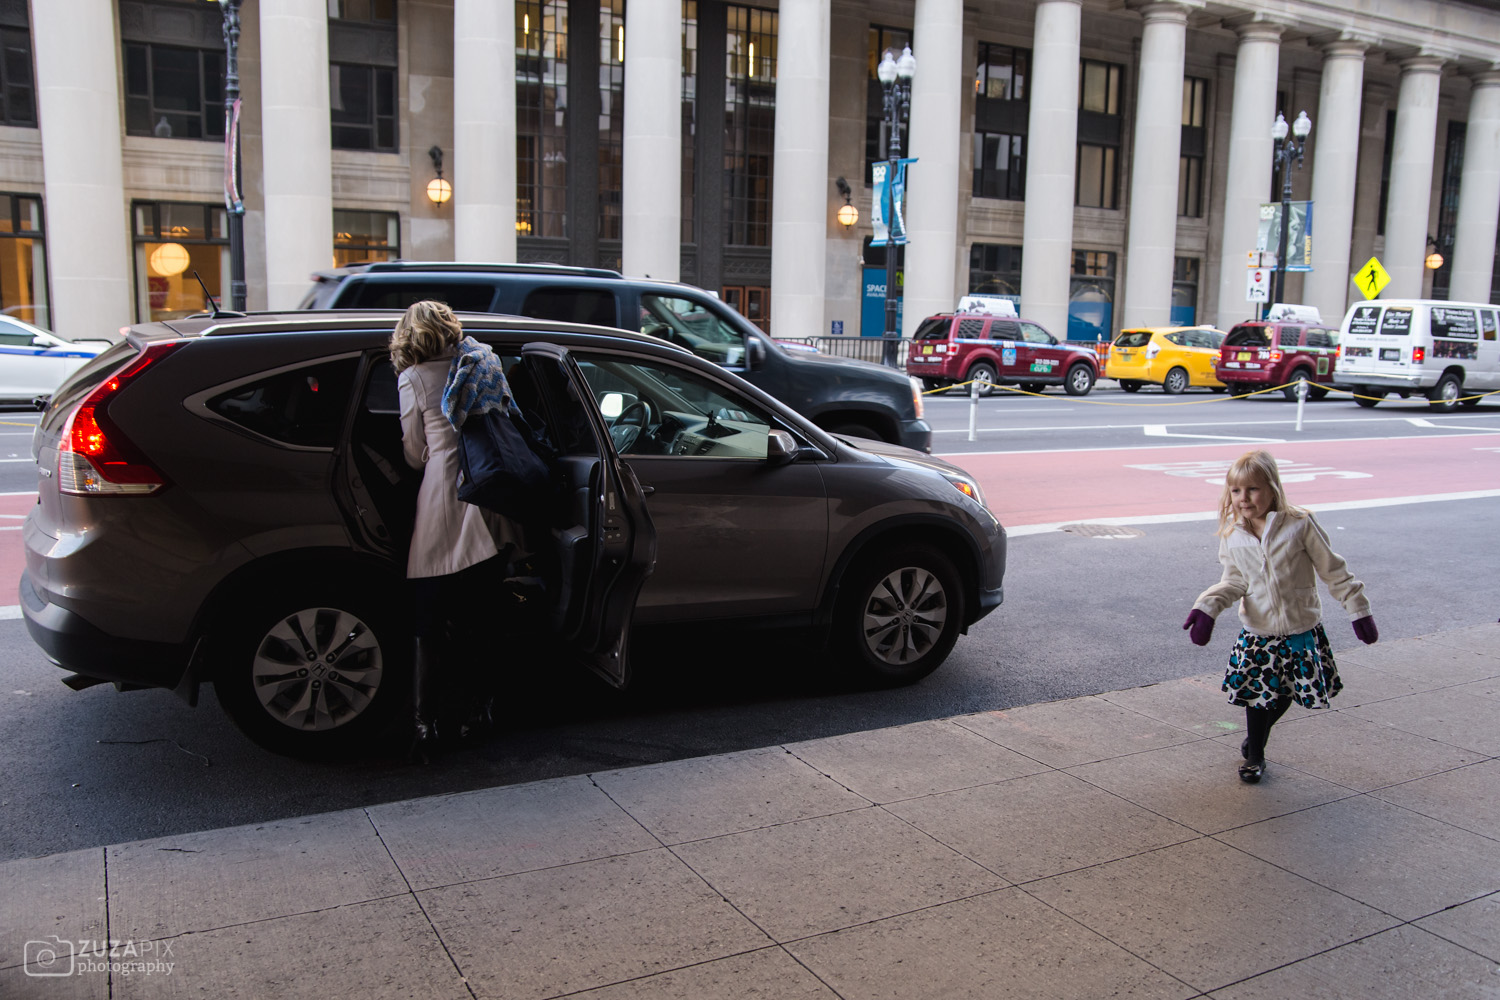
(968, 486)
(917, 400)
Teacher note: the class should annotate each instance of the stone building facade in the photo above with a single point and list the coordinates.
(1104, 162)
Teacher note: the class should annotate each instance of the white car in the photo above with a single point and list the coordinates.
(34, 362)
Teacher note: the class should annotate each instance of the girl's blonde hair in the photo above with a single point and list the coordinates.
(427, 330)
(1251, 466)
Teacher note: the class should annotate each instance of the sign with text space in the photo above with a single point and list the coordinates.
(1258, 285)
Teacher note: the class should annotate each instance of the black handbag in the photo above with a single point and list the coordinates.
(505, 465)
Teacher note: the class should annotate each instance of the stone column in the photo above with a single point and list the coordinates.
(931, 284)
(1407, 204)
(484, 131)
(799, 182)
(1478, 193)
(1335, 154)
(1250, 150)
(651, 202)
(1152, 244)
(1051, 159)
(297, 167)
(78, 104)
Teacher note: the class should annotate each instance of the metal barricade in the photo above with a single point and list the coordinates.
(876, 350)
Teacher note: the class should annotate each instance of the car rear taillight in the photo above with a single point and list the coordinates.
(1418, 355)
(94, 458)
(1153, 349)
(1275, 356)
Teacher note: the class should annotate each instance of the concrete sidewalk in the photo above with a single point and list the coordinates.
(1089, 848)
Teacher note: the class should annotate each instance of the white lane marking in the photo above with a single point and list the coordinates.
(1424, 422)
(1213, 515)
(1216, 423)
(1159, 447)
(20, 493)
(1160, 430)
(10, 611)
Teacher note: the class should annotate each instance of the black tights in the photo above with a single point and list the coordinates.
(1258, 723)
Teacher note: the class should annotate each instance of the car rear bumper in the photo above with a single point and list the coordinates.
(1348, 379)
(74, 644)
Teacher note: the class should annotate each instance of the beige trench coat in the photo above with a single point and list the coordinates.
(449, 535)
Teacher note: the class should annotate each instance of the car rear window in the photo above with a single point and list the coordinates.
(84, 380)
(933, 328)
(302, 406)
(460, 296)
(1133, 338)
(1247, 336)
(572, 305)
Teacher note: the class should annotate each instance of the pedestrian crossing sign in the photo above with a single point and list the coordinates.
(1372, 278)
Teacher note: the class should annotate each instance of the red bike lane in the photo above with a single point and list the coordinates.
(1025, 488)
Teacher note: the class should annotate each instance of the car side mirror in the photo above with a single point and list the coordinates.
(781, 448)
(757, 352)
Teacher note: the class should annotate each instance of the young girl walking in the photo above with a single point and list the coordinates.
(1270, 551)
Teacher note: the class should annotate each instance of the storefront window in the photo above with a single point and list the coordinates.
(177, 245)
(365, 236)
(23, 260)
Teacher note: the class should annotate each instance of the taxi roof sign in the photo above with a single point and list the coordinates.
(1371, 278)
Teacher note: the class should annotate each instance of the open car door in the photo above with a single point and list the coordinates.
(605, 541)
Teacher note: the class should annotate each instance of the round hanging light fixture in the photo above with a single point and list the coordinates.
(169, 259)
(439, 190)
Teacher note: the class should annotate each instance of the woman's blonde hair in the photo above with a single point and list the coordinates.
(427, 330)
(1251, 466)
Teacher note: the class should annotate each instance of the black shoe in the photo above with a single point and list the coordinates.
(424, 738)
(1251, 771)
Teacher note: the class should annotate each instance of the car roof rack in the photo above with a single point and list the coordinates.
(480, 267)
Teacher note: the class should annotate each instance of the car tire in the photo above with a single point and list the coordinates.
(1443, 397)
(1235, 388)
(899, 614)
(1176, 382)
(1290, 392)
(1218, 388)
(933, 386)
(328, 705)
(1368, 396)
(1079, 380)
(1033, 387)
(982, 370)
(1317, 392)
(1130, 385)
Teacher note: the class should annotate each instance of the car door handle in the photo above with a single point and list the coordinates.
(647, 490)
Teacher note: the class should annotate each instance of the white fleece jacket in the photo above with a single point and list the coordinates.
(1272, 577)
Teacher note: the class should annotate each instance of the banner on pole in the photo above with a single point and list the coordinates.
(887, 213)
(232, 200)
(1298, 234)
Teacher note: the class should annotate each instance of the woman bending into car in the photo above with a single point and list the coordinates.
(458, 551)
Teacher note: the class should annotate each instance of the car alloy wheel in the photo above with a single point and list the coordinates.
(983, 371)
(1176, 382)
(1444, 396)
(1079, 381)
(902, 613)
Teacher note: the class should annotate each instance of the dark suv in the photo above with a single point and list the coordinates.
(840, 395)
(225, 500)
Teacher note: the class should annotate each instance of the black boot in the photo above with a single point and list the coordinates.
(424, 669)
(1258, 723)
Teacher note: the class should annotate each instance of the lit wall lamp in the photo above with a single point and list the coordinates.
(1434, 259)
(438, 189)
(848, 214)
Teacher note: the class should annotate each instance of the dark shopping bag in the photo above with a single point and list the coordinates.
(505, 465)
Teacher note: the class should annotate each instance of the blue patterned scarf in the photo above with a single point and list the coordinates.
(476, 383)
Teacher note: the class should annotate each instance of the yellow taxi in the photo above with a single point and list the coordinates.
(1173, 357)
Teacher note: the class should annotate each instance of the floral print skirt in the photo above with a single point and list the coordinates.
(1267, 670)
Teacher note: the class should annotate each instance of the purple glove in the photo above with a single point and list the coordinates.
(1201, 627)
(1365, 630)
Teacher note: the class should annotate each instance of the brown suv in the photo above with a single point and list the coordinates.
(225, 500)
(1263, 355)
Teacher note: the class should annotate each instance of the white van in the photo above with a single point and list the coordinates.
(1446, 351)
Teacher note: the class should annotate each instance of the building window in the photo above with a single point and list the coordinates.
(611, 116)
(995, 269)
(1099, 131)
(365, 236)
(749, 125)
(1001, 122)
(542, 118)
(362, 74)
(1091, 299)
(174, 93)
(177, 245)
(689, 119)
(23, 259)
(1194, 144)
(17, 89)
(1447, 220)
(895, 39)
(1185, 291)
(999, 166)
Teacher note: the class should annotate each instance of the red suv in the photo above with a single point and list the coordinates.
(955, 347)
(1261, 355)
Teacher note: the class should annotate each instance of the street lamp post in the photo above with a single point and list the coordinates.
(895, 80)
(234, 204)
(1287, 153)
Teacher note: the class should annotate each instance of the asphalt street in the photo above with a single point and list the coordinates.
(1082, 615)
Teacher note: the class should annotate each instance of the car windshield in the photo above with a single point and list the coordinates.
(1133, 338)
